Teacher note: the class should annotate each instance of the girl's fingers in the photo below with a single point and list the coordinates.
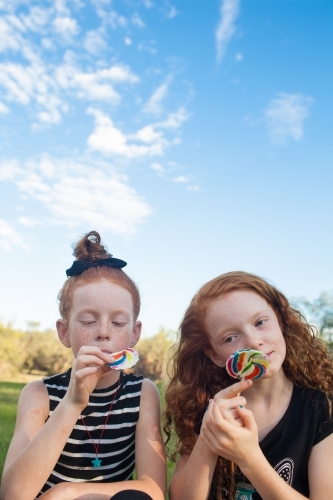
(231, 402)
(234, 389)
(85, 372)
(233, 417)
(86, 360)
(247, 417)
(96, 351)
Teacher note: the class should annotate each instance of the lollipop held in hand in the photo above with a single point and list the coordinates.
(248, 364)
(124, 359)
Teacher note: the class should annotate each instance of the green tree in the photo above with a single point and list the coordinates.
(153, 353)
(318, 312)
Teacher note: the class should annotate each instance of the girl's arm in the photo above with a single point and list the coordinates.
(240, 444)
(320, 469)
(193, 474)
(149, 459)
(37, 443)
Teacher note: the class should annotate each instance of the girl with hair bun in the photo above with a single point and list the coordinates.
(269, 439)
(81, 434)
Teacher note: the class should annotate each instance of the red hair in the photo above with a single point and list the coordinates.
(194, 378)
(89, 249)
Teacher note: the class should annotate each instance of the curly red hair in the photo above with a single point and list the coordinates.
(194, 378)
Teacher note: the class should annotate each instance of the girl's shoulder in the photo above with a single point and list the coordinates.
(34, 399)
(150, 396)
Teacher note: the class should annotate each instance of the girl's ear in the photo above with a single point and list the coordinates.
(62, 330)
(213, 357)
(136, 333)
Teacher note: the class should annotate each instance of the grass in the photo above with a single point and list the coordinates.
(9, 394)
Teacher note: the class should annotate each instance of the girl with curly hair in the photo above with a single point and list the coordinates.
(269, 439)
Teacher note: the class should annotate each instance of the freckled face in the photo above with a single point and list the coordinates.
(244, 320)
(102, 315)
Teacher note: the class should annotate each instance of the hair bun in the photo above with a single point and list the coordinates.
(90, 248)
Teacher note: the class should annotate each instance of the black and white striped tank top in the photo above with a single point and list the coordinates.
(117, 446)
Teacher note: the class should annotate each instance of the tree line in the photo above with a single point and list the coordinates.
(34, 351)
(40, 352)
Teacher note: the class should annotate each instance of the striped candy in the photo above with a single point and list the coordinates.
(247, 363)
(124, 359)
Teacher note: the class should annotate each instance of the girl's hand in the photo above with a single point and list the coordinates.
(89, 366)
(229, 399)
(224, 436)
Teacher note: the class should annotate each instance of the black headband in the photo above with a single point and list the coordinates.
(79, 266)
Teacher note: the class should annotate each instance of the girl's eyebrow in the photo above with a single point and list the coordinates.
(260, 312)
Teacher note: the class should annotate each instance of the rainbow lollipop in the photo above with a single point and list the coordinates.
(124, 359)
(247, 363)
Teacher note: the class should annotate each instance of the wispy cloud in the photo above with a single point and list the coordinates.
(154, 105)
(29, 222)
(285, 116)
(181, 179)
(109, 139)
(226, 28)
(148, 141)
(73, 194)
(47, 84)
(9, 238)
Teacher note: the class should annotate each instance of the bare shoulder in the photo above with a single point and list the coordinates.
(320, 469)
(149, 389)
(32, 413)
(33, 402)
(150, 402)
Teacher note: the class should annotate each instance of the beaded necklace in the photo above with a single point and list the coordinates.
(97, 462)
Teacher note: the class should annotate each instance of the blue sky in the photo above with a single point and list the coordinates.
(195, 136)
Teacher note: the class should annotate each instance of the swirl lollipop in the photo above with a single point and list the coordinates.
(124, 359)
(247, 363)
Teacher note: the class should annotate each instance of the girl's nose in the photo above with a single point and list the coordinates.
(255, 339)
(104, 332)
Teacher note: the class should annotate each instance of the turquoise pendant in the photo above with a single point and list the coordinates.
(96, 462)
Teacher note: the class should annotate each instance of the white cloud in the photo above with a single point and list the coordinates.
(226, 28)
(94, 42)
(9, 238)
(175, 119)
(181, 179)
(238, 57)
(193, 188)
(36, 19)
(47, 89)
(108, 139)
(148, 4)
(137, 21)
(285, 116)
(3, 108)
(154, 104)
(127, 41)
(157, 167)
(173, 12)
(75, 195)
(66, 26)
(29, 222)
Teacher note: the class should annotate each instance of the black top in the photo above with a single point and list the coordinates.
(287, 447)
(117, 446)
